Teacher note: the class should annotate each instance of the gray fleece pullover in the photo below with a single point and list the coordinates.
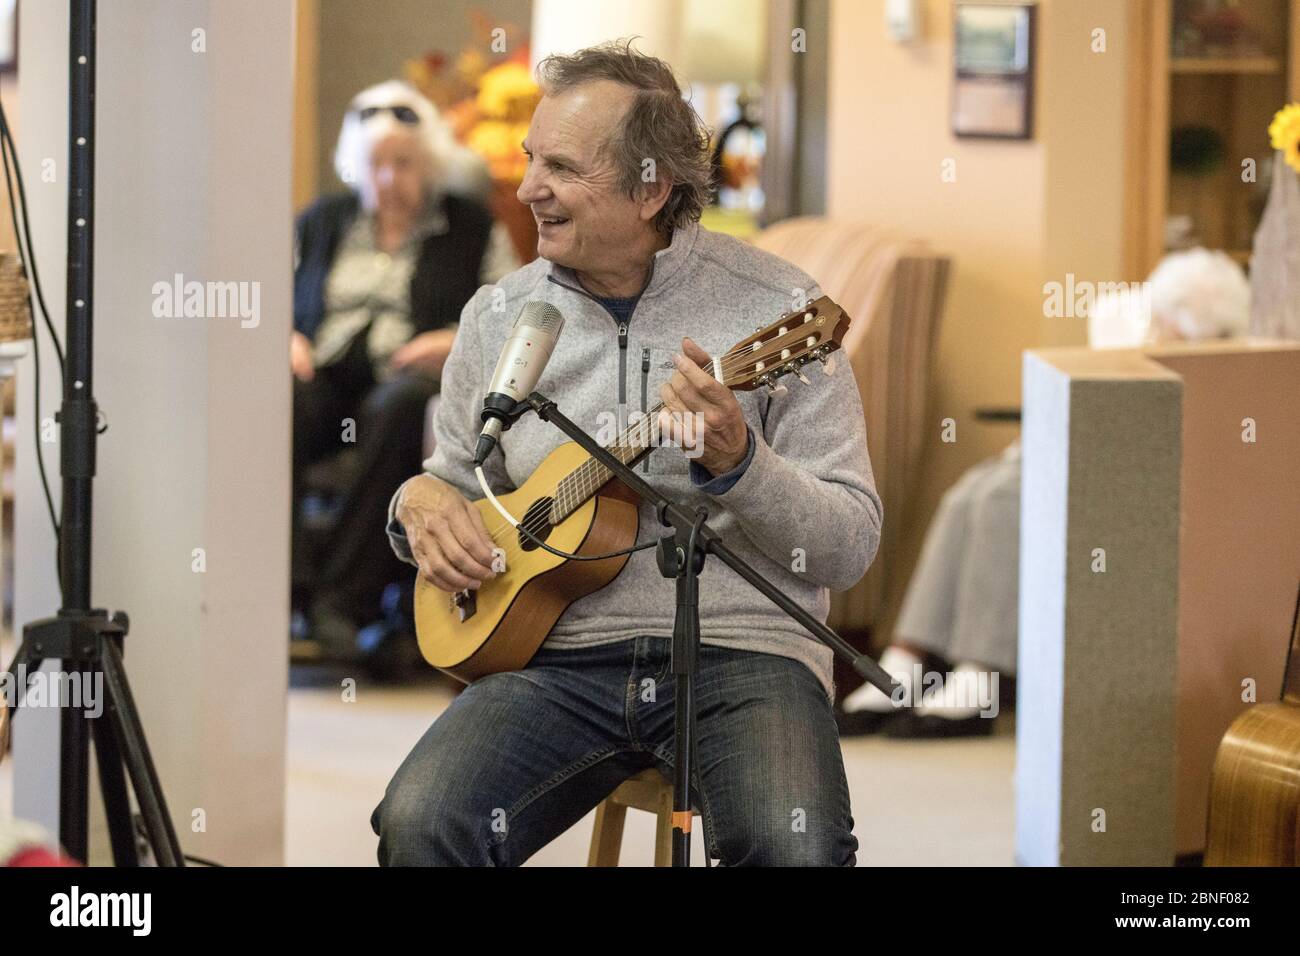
(805, 512)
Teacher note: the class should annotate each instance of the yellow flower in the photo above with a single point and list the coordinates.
(1284, 134)
(498, 143)
(507, 92)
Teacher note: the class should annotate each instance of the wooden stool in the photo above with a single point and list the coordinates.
(650, 791)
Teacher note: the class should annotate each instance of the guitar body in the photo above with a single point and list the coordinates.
(1255, 790)
(1254, 817)
(500, 626)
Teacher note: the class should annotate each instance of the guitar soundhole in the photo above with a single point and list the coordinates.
(537, 520)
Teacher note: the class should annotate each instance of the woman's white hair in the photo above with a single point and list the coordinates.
(449, 167)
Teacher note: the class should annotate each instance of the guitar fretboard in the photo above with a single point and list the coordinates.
(638, 439)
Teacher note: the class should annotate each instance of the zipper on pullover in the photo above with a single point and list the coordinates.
(622, 343)
(645, 385)
(622, 368)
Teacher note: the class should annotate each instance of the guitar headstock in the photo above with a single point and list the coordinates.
(806, 335)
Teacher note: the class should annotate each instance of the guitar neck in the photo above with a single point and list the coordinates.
(578, 486)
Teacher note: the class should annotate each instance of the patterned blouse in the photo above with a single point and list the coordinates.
(368, 287)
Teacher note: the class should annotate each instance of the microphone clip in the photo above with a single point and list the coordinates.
(502, 410)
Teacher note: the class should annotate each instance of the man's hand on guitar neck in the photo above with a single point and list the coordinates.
(701, 415)
(448, 539)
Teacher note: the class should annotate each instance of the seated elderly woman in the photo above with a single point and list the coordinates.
(382, 273)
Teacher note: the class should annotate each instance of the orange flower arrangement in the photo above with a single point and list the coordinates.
(488, 104)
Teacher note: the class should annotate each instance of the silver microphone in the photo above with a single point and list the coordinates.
(523, 358)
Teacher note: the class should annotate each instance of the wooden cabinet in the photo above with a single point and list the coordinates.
(1206, 77)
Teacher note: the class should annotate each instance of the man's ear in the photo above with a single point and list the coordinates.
(654, 193)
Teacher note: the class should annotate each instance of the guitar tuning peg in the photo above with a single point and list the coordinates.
(828, 364)
(802, 377)
(777, 388)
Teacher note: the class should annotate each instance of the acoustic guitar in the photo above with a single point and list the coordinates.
(572, 503)
(1254, 814)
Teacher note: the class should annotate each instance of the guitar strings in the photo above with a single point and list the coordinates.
(537, 524)
(588, 480)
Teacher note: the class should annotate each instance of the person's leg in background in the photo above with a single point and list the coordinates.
(926, 619)
(981, 651)
(319, 408)
(959, 613)
(360, 562)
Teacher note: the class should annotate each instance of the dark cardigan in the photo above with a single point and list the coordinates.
(446, 273)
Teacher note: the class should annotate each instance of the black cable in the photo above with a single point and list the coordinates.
(581, 557)
(27, 260)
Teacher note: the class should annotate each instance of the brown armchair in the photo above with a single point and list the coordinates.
(893, 290)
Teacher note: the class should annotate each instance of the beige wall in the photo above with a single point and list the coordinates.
(1018, 214)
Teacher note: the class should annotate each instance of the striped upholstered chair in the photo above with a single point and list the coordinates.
(893, 290)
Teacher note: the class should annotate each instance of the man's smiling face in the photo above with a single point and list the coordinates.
(585, 220)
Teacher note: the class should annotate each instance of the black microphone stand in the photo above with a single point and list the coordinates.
(681, 556)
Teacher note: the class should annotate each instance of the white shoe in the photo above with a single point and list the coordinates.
(959, 696)
(896, 662)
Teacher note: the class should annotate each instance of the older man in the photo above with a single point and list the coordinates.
(617, 178)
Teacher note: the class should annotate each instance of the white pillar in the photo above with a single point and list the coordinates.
(1098, 649)
(562, 26)
(194, 131)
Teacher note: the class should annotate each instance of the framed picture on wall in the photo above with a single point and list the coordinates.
(993, 70)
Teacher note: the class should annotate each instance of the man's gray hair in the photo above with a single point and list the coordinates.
(659, 126)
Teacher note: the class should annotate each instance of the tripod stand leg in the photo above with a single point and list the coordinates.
(74, 751)
(112, 785)
(74, 776)
(25, 662)
(135, 753)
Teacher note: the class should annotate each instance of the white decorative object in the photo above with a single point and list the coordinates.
(1275, 259)
(902, 20)
(1198, 294)
(1191, 295)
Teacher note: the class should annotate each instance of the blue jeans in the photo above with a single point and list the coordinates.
(521, 756)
